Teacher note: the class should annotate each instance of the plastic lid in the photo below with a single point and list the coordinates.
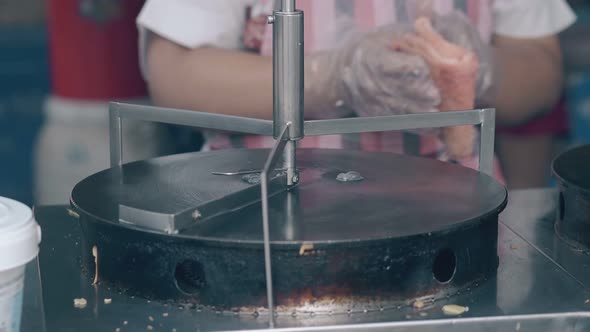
(20, 235)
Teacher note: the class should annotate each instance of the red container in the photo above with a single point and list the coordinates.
(91, 58)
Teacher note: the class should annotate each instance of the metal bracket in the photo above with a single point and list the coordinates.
(173, 223)
(118, 111)
(484, 117)
(202, 215)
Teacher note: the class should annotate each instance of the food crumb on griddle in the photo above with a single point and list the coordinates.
(454, 310)
(73, 213)
(418, 304)
(165, 314)
(423, 314)
(118, 329)
(125, 322)
(587, 301)
(80, 303)
(151, 318)
(95, 255)
(514, 246)
(149, 327)
(108, 301)
(305, 248)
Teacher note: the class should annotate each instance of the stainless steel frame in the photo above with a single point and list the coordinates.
(483, 117)
(120, 111)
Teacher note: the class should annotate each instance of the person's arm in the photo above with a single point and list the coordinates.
(209, 79)
(529, 77)
(363, 75)
(231, 82)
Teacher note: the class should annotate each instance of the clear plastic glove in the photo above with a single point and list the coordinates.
(456, 28)
(366, 77)
(455, 71)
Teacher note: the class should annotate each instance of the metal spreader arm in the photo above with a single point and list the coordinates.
(288, 80)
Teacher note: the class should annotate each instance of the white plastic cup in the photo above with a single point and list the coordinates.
(20, 236)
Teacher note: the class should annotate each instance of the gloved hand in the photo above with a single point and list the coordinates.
(445, 74)
(454, 70)
(456, 28)
(367, 78)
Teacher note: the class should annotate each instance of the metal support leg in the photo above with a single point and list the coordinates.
(115, 136)
(486, 150)
(273, 158)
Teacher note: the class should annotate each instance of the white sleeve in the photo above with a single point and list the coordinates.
(194, 23)
(531, 18)
(191, 23)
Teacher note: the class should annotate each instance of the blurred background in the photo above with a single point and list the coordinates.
(61, 62)
(62, 58)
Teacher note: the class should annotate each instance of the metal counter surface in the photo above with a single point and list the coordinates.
(541, 285)
(531, 214)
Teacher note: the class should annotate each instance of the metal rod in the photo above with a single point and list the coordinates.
(290, 162)
(195, 119)
(288, 62)
(291, 225)
(288, 81)
(115, 136)
(270, 164)
(393, 122)
(287, 6)
(243, 172)
(486, 147)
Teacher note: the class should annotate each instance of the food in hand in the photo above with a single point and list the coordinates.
(454, 71)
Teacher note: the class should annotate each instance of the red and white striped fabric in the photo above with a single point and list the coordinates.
(324, 16)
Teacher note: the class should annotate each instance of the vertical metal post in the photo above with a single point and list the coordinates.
(269, 165)
(267, 257)
(288, 5)
(288, 79)
(486, 149)
(115, 136)
(290, 162)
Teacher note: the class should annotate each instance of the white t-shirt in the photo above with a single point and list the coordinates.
(220, 23)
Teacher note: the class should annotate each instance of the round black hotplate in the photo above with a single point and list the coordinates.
(411, 227)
